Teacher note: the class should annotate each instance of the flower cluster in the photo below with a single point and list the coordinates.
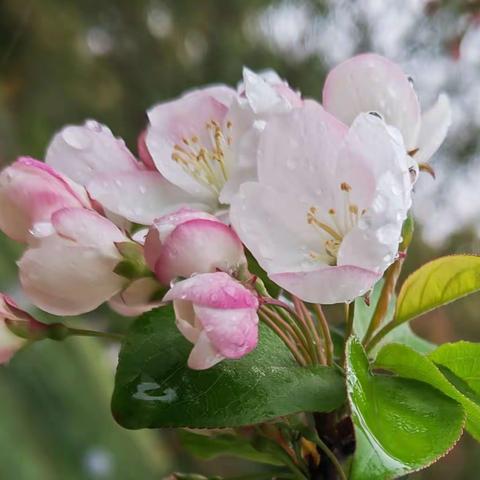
(317, 194)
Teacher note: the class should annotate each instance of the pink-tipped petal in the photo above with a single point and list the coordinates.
(87, 228)
(203, 355)
(198, 246)
(140, 196)
(30, 192)
(164, 226)
(214, 290)
(372, 83)
(172, 123)
(66, 279)
(234, 333)
(435, 124)
(81, 152)
(143, 152)
(328, 285)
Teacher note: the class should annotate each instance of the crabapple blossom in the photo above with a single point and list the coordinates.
(218, 315)
(325, 217)
(72, 270)
(372, 83)
(13, 319)
(189, 241)
(205, 142)
(30, 192)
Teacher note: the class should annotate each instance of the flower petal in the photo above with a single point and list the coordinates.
(63, 278)
(198, 246)
(435, 124)
(203, 355)
(273, 226)
(291, 147)
(328, 285)
(267, 94)
(84, 151)
(215, 290)
(30, 191)
(233, 333)
(137, 298)
(373, 161)
(140, 196)
(370, 82)
(87, 228)
(173, 122)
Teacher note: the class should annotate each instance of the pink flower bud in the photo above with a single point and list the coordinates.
(218, 315)
(72, 271)
(30, 192)
(16, 325)
(190, 241)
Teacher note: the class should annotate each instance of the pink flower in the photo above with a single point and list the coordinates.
(325, 217)
(218, 315)
(72, 271)
(190, 241)
(371, 83)
(30, 192)
(202, 145)
(13, 319)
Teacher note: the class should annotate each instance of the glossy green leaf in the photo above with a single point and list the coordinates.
(401, 334)
(463, 360)
(400, 424)
(407, 363)
(437, 283)
(155, 388)
(208, 447)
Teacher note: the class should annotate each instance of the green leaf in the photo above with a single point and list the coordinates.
(401, 334)
(407, 363)
(401, 425)
(437, 283)
(155, 388)
(208, 447)
(462, 359)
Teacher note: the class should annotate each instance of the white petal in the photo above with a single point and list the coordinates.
(81, 152)
(435, 124)
(203, 355)
(66, 279)
(328, 285)
(273, 226)
(370, 82)
(140, 196)
(297, 151)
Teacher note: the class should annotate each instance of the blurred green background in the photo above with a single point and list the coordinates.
(62, 61)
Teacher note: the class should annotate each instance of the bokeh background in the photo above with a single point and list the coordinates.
(63, 61)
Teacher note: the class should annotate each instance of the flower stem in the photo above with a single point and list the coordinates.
(331, 457)
(349, 314)
(388, 289)
(327, 338)
(286, 339)
(289, 324)
(384, 331)
(92, 333)
(303, 310)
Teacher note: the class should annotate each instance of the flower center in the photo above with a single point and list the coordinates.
(207, 164)
(334, 224)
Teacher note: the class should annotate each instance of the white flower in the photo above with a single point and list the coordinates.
(325, 217)
(372, 83)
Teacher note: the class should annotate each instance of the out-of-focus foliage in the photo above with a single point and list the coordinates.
(62, 61)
